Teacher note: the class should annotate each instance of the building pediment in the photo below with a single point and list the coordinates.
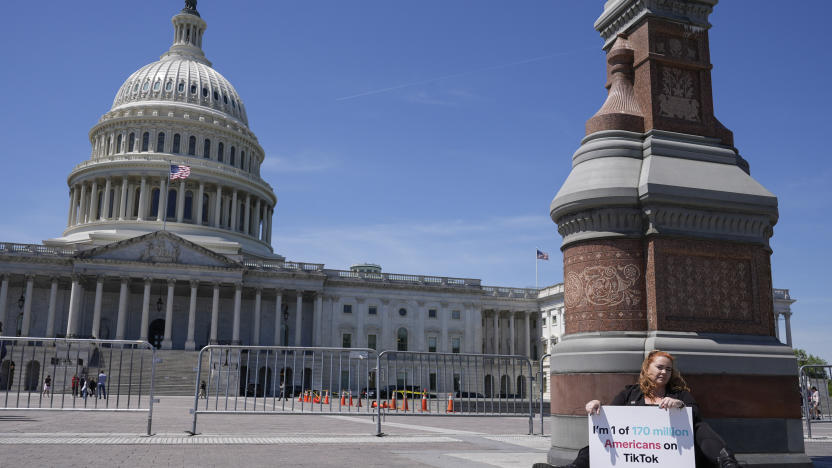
(159, 247)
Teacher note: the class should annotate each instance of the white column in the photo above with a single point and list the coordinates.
(298, 316)
(4, 297)
(247, 215)
(255, 231)
(552, 314)
(145, 307)
(777, 326)
(238, 296)
(258, 297)
(131, 202)
(218, 207)
(788, 316)
(163, 203)
(190, 344)
(319, 314)
(167, 343)
(269, 217)
(108, 185)
(278, 317)
(215, 313)
(73, 321)
(50, 316)
(512, 331)
(562, 322)
(478, 339)
(27, 306)
(180, 202)
(527, 334)
(93, 212)
(386, 333)
(140, 215)
(443, 312)
(121, 320)
(421, 341)
(496, 332)
(82, 216)
(233, 223)
(96, 310)
(361, 339)
(122, 202)
(73, 198)
(198, 215)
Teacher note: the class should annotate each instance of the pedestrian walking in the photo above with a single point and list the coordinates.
(74, 385)
(47, 386)
(203, 387)
(102, 384)
(84, 390)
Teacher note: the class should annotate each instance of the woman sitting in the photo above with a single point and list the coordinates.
(660, 384)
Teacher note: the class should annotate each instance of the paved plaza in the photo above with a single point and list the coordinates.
(73, 438)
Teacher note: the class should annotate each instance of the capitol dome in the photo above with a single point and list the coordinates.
(176, 115)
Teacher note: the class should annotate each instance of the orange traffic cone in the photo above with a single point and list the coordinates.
(424, 402)
(384, 405)
(393, 402)
(374, 405)
(343, 399)
(326, 398)
(308, 398)
(404, 403)
(450, 403)
(350, 399)
(359, 402)
(300, 398)
(317, 399)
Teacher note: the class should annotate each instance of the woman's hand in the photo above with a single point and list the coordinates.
(668, 403)
(593, 407)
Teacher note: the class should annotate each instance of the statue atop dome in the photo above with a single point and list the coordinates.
(190, 7)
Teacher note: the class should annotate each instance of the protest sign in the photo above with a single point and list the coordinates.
(636, 436)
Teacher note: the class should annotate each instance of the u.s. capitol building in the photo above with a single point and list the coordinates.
(187, 262)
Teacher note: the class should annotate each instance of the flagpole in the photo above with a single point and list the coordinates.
(536, 262)
(165, 208)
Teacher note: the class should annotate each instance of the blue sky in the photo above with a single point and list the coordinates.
(427, 136)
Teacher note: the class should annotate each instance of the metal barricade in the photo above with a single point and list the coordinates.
(285, 380)
(815, 378)
(541, 381)
(450, 384)
(62, 374)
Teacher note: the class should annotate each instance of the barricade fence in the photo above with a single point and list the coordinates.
(353, 381)
(64, 374)
(814, 391)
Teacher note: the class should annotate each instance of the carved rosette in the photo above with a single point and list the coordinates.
(604, 286)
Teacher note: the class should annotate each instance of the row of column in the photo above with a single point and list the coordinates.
(787, 317)
(497, 332)
(84, 205)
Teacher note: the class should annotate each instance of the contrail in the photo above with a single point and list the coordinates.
(478, 70)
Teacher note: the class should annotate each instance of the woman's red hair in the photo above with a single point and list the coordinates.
(676, 383)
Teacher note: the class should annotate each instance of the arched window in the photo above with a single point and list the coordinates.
(206, 149)
(231, 158)
(189, 201)
(205, 200)
(401, 339)
(175, 148)
(171, 214)
(118, 143)
(160, 142)
(131, 142)
(112, 207)
(154, 203)
(192, 145)
(220, 149)
(243, 160)
(145, 141)
(136, 202)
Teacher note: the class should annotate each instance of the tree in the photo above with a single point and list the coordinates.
(804, 358)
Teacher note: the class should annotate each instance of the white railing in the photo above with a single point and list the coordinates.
(551, 290)
(781, 294)
(34, 249)
(293, 266)
(497, 291)
(402, 278)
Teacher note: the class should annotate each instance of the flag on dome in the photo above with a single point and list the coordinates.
(541, 255)
(181, 172)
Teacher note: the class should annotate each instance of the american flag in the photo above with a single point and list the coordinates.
(179, 172)
(541, 255)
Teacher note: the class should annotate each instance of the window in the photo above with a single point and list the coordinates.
(154, 202)
(347, 308)
(145, 141)
(346, 340)
(401, 339)
(456, 382)
(146, 86)
(432, 381)
(131, 142)
(225, 99)
(193, 88)
(205, 200)
(176, 139)
(372, 310)
(118, 144)
(543, 321)
(160, 142)
(432, 313)
(231, 157)
(455, 315)
(169, 86)
(206, 149)
(345, 380)
(181, 86)
(534, 324)
(402, 311)
(189, 201)
(554, 320)
(371, 342)
(171, 204)
(220, 149)
(431, 344)
(109, 148)
(242, 160)
(216, 96)
(204, 92)
(157, 86)
(192, 145)
(455, 345)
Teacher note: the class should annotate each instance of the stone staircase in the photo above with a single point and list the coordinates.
(176, 373)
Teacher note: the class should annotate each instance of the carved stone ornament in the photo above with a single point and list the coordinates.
(678, 96)
(159, 251)
(603, 286)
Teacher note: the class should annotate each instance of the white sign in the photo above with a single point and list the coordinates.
(636, 436)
